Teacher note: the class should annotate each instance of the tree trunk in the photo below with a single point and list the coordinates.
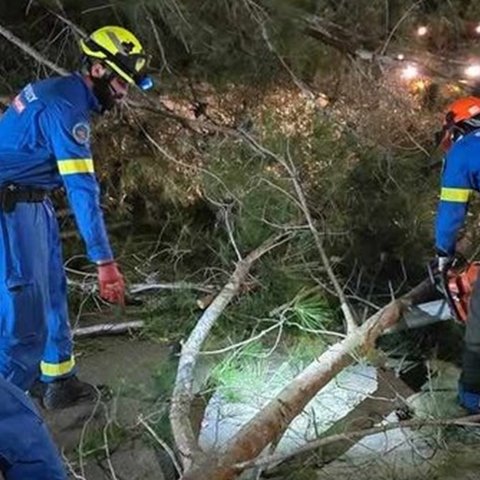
(274, 418)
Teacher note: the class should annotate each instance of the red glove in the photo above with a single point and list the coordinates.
(111, 283)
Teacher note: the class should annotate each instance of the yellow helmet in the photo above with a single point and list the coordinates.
(120, 50)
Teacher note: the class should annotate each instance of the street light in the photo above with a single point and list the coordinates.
(477, 29)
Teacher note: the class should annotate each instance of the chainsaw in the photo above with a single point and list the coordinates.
(451, 293)
(457, 285)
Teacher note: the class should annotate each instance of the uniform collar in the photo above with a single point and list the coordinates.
(93, 103)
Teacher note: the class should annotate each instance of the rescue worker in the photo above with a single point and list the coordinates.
(26, 449)
(460, 139)
(44, 145)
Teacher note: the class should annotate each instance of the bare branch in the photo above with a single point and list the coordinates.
(270, 422)
(108, 329)
(162, 443)
(31, 51)
(289, 166)
(183, 392)
(321, 442)
(244, 342)
(159, 42)
(140, 288)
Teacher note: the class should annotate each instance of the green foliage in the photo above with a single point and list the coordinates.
(247, 371)
(279, 279)
(94, 441)
(389, 208)
(304, 349)
(172, 316)
(241, 373)
(311, 311)
(377, 206)
(256, 196)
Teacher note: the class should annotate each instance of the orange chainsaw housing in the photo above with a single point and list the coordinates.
(460, 286)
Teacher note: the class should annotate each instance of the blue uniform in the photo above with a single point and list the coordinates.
(461, 175)
(44, 143)
(26, 449)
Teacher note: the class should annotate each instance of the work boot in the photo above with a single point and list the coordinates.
(67, 392)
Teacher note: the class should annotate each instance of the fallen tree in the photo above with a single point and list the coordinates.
(273, 419)
(183, 393)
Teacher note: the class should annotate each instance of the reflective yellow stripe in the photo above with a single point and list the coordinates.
(57, 369)
(75, 165)
(460, 195)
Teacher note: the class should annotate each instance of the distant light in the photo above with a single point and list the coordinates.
(400, 56)
(410, 72)
(455, 88)
(477, 29)
(422, 31)
(473, 71)
(420, 85)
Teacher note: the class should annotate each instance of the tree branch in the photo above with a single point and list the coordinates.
(289, 166)
(31, 51)
(321, 442)
(272, 420)
(183, 391)
(108, 329)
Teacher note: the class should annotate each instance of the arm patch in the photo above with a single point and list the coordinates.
(81, 133)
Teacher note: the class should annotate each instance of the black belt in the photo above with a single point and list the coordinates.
(10, 195)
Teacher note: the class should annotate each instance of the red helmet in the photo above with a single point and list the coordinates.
(463, 109)
(460, 111)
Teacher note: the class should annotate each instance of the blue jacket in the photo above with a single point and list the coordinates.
(45, 142)
(461, 175)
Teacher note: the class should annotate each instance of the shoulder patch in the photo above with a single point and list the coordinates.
(81, 133)
(18, 105)
(29, 93)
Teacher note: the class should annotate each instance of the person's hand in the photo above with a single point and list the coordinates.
(111, 283)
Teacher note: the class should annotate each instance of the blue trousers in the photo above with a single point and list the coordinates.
(26, 449)
(35, 337)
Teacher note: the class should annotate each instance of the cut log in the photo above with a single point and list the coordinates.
(108, 329)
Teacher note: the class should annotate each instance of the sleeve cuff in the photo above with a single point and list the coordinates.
(100, 253)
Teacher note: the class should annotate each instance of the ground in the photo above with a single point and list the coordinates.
(107, 441)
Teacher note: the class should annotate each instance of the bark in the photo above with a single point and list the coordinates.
(148, 287)
(268, 424)
(108, 329)
(182, 397)
(390, 396)
(470, 420)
